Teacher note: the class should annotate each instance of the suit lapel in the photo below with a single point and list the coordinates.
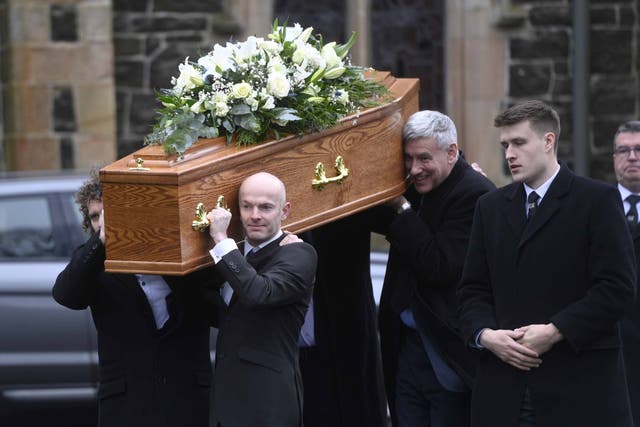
(515, 209)
(549, 205)
(257, 259)
(130, 282)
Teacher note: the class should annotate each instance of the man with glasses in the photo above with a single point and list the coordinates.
(626, 162)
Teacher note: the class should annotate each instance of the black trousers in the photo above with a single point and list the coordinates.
(420, 399)
(320, 395)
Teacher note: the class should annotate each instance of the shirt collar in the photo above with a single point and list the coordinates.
(542, 189)
(248, 248)
(624, 191)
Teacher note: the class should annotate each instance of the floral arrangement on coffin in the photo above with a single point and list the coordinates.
(289, 83)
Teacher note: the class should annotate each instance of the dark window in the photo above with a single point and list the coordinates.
(26, 228)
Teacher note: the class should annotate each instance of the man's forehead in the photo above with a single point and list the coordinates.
(628, 138)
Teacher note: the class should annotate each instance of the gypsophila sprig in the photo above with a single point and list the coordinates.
(289, 83)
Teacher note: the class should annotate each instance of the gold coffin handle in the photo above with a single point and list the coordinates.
(321, 174)
(201, 223)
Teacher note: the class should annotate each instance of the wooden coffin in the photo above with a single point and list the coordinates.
(150, 198)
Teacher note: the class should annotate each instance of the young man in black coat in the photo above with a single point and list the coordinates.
(153, 332)
(549, 273)
(426, 365)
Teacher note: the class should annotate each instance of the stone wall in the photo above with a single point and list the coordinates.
(406, 37)
(58, 93)
(151, 37)
(539, 66)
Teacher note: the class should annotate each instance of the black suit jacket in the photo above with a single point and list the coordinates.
(427, 250)
(257, 378)
(572, 264)
(147, 376)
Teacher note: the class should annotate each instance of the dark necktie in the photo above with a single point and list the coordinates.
(532, 204)
(632, 213)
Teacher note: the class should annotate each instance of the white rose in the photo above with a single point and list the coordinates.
(278, 85)
(241, 90)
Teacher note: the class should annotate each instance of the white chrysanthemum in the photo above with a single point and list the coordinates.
(189, 78)
(278, 85)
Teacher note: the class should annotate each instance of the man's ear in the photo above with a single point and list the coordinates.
(452, 153)
(549, 141)
(286, 210)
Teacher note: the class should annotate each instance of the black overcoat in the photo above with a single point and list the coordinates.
(147, 376)
(351, 392)
(630, 327)
(572, 264)
(427, 249)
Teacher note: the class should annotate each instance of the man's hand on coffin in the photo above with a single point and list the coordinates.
(290, 238)
(219, 219)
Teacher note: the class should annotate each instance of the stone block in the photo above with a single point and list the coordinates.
(142, 113)
(132, 5)
(28, 108)
(128, 45)
(486, 54)
(129, 73)
(612, 95)
(602, 16)
(33, 152)
(610, 51)
(603, 131)
(550, 15)
(96, 108)
(94, 21)
(548, 44)
(190, 5)
(529, 80)
(94, 149)
(165, 65)
(29, 22)
(177, 22)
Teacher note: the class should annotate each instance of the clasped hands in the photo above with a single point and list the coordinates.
(523, 347)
